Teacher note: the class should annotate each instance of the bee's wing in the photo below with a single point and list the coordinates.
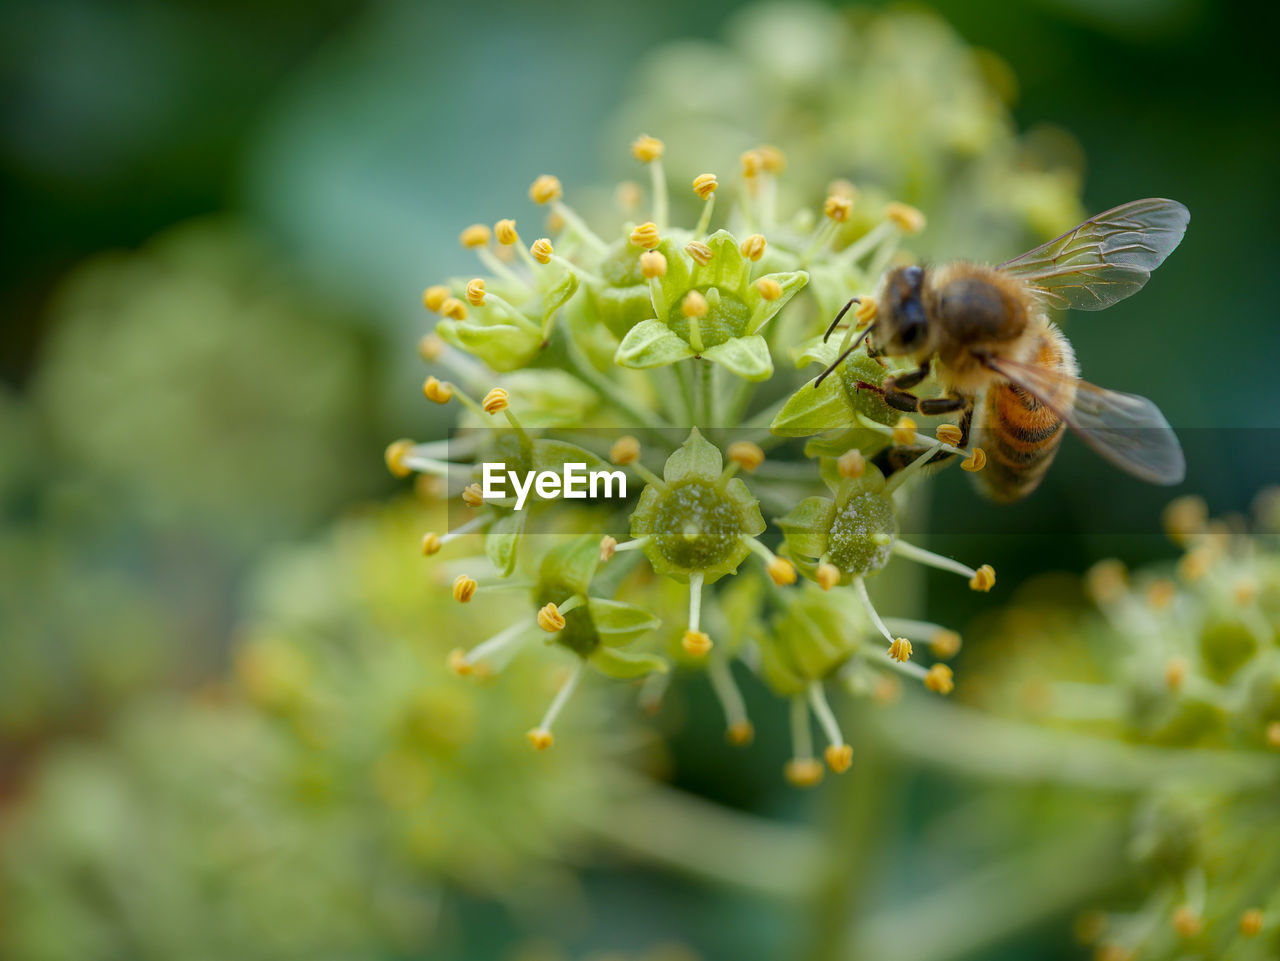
(1106, 258)
(1126, 429)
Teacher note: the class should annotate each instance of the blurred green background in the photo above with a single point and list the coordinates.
(218, 221)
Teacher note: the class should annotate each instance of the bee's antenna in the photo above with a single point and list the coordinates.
(840, 360)
(840, 316)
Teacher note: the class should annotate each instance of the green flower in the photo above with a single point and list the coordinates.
(634, 327)
(709, 309)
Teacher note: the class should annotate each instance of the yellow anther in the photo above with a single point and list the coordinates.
(842, 188)
(704, 185)
(950, 434)
(976, 460)
(433, 298)
(1273, 735)
(851, 464)
(464, 588)
(746, 454)
(699, 251)
(652, 264)
(555, 222)
(905, 217)
(865, 312)
(900, 650)
(477, 235)
(1194, 564)
(1175, 673)
(1113, 952)
(1161, 593)
(628, 195)
(431, 543)
(545, 189)
(769, 288)
(550, 619)
(803, 771)
(473, 496)
(944, 644)
(740, 733)
(782, 572)
(505, 231)
(1106, 581)
(540, 738)
(625, 450)
(1184, 517)
(694, 305)
(753, 247)
(608, 547)
(1245, 592)
(984, 579)
(939, 679)
(437, 391)
(647, 149)
(839, 757)
(475, 292)
(837, 207)
(430, 347)
(542, 250)
(1187, 922)
(396, 453)
(828, 576)
(1251, 923)
(646, 235)
(696, 643)
(495, 401)
(458, 662)
(772, 159)
(752, 163)
(904, 432)
(454, 309)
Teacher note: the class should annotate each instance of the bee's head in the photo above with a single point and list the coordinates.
(902, 326)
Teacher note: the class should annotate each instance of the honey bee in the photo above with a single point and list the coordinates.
(1007, 369)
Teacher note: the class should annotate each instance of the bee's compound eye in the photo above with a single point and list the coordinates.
(911, 334)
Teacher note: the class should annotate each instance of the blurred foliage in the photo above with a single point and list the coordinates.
(321, 807)
(1168, 693)
(894, 100)
(194, 407)
(198, 379)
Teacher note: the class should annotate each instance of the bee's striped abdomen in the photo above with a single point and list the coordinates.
(1021, 434)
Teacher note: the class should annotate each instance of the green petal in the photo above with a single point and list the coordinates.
(762, 311)
(675, 283)
(624, 664)
(811, 410)
(727, 268)
(502, 346)
(502, 540)
(696, 457)
(651, 343)
(552, 455)
(748, 357)
(571, 565)
(618, 623)
(807, 526)
(748, 507)
(556, 297)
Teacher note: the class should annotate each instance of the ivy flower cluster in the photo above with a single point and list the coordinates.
(1181, 665)
(677, 344)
